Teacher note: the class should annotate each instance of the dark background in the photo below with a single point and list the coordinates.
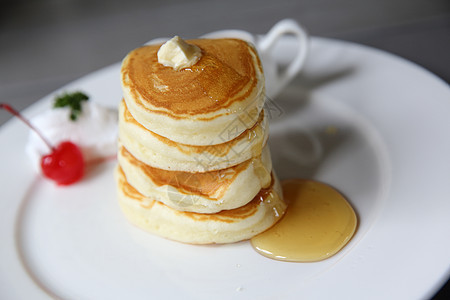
(45, 44)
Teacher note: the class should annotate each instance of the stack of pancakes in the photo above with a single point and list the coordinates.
(193, 161)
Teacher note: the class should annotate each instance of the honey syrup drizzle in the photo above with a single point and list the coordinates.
(215, 82)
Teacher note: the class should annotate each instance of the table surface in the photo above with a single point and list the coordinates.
(46, 44)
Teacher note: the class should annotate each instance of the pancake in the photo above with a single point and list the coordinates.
(208, 192)
(162, 153)
(194, 105)
(227, 226)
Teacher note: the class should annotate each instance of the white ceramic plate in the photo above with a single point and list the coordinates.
(374, 126)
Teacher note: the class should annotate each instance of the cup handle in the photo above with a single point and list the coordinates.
(265, 44)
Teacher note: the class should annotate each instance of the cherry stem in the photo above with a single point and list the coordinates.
(14, 112)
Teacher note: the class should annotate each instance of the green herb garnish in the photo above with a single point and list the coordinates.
(72, 100)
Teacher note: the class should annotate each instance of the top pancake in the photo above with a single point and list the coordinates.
(226, 84)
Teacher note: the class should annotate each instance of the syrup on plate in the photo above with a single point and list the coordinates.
(317, 224)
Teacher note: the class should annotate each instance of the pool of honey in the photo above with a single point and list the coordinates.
(318, 223)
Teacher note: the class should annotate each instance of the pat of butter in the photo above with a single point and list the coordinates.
(178, 54)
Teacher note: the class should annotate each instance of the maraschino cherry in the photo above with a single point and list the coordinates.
(64, 164)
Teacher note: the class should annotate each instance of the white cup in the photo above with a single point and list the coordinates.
(277, 74)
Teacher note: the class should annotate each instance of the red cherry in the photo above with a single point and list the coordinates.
(64, 165)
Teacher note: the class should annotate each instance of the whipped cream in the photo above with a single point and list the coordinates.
(178, 54)
(94, 131)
